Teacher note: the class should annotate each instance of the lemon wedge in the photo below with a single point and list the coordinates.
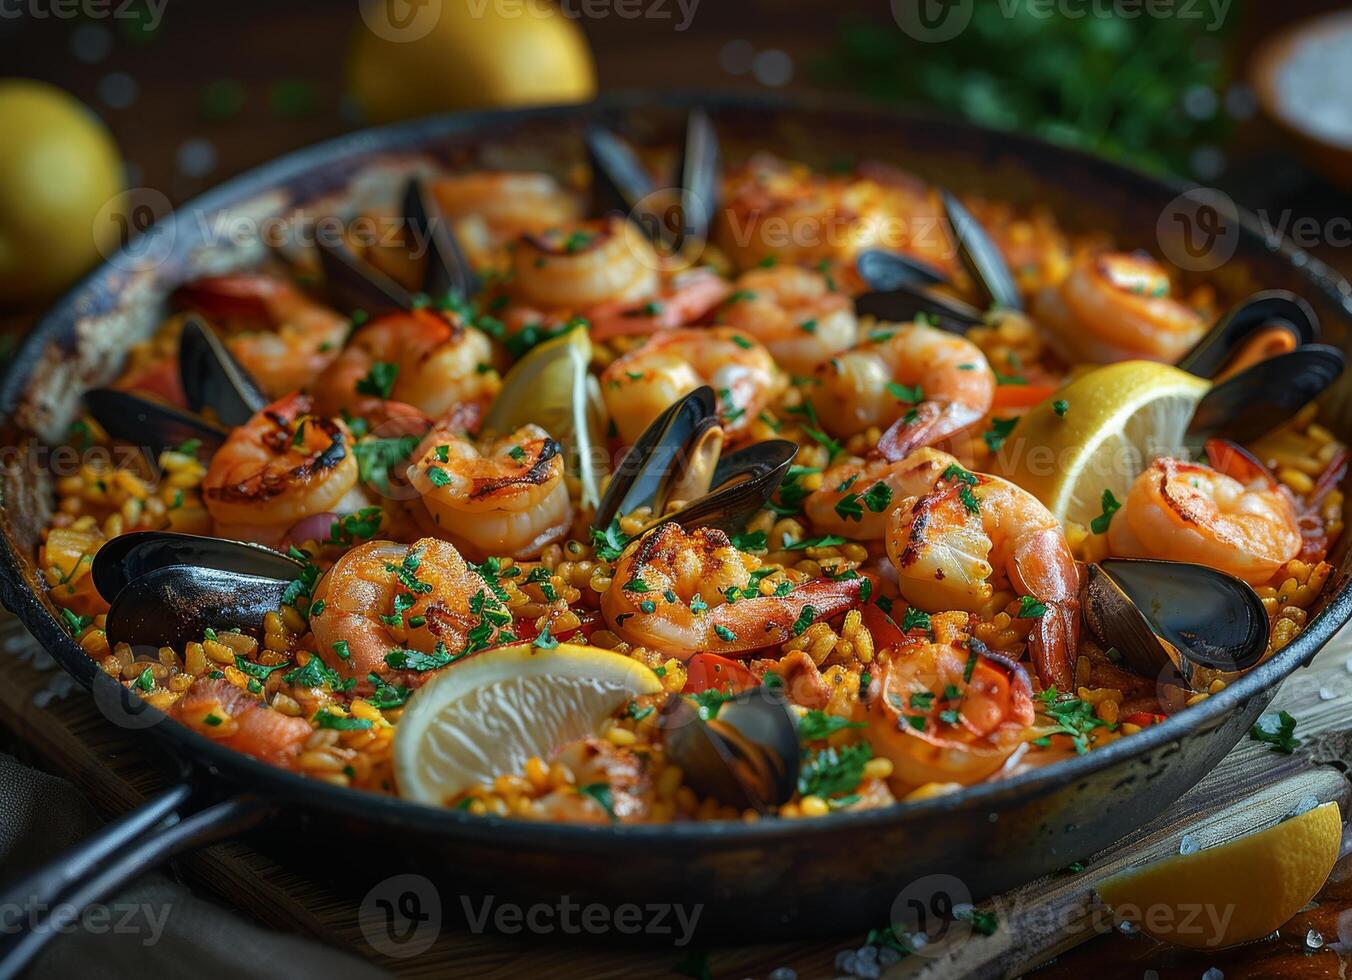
(487, 715)
(1098, 433)
(552, 388)
(1233, 893)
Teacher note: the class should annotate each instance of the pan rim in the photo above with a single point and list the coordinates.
(410, 135)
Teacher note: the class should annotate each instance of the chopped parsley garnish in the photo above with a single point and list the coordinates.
(956, 472)
(725, 634)
(1072, 716)
(825, 541)
(636, 585)
(145, 680)
(362, 524)
(911, 396)
(379, 381)
(808, 326)
(817, 725)
(302, 585)
(376, 456)
(386, 696)
(517, 453)
(983, 922)
(600, 792)
(1110, 505)
(609, 542)
(1030, 608)
(832, 771)
(419, 661)
(544, 641)
(749, 541)
(315, 673)
(804, 620)
(741, 341)
(75, 623)
(637, 713)
(792, 493)
(1277, 731)
(968, 499)
(999, 431)
(341, 723)
(922, 700)
(437, 476)
(255, 670)
(708, 702)
(1061, 407)
(915, 619)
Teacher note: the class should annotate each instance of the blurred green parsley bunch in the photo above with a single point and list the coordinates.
(1143, 89)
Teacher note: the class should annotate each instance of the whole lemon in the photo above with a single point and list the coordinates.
(417, 57)
(59, 171)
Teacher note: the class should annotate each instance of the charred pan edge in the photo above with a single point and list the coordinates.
(313, 172)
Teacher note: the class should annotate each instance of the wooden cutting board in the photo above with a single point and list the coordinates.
(1253, 786)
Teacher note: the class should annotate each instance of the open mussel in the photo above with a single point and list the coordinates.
(1267, 323)
(746, 756)
(356, 284)
(620, 183)
(211, 378)
(1263, 396)
(1205, 618)
(679, 457)
(165, 589)
(901, 287)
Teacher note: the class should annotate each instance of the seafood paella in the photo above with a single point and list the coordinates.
(665, 488)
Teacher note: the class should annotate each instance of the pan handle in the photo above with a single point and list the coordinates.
(49, 899)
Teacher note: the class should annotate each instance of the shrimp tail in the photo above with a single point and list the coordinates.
(769, 621)
(928, 423)
(1053, 642)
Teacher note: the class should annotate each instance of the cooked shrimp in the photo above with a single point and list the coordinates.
(850, 503)
(280, 467)
(670, 593)
(794, 313)
(419, 358)
(593, 761)
(1184, 511)
(221, 711)
(933, 383)
(774, 210)
(410, 599)
(281, 336)
(948, 712)
(1115, 306)
(973, 533)
(506, 497)
(685, 297)
(642, 384)
(500, 205)
(585, 264)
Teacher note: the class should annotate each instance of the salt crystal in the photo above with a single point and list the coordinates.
(1326, 694)
(917, 940)
(1188, 845)
(1313, 940)
(1127, 928)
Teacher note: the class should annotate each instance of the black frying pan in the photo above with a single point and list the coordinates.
(768, 879)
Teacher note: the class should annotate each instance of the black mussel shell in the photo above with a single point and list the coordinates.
(1212, 619)
(212, 378)
(1272, 307)
(659, 456)
(748, 756)
(448, 269)
(883, 271)
(905, 302)
(355, 284)
(743, 481)
(152, 425)
(352, 283)
(173, 605)
(619, 179)
(127, 557)
(982, 257)
(1265, 395)
(698, 178)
